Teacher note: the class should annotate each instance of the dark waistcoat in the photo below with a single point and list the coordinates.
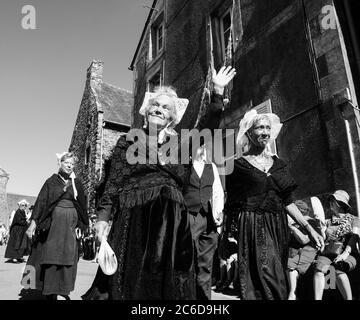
(198, 192)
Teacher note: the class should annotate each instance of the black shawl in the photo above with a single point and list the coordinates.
(50, 194)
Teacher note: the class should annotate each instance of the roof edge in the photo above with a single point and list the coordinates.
(131, 67)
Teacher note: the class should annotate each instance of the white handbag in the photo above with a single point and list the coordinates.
(107, 259)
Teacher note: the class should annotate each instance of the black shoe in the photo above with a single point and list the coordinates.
(51, 297)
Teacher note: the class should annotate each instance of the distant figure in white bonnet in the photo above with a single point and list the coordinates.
(21, 204)
(18, 244)
(259, 195)
(59, 211)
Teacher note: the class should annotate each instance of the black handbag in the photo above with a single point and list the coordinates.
(333, 249)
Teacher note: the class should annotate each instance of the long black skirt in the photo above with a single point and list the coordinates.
(54, 255)
(154, 248)
(18, 245)
(262, 255)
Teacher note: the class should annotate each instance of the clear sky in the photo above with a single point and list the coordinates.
(43, 72)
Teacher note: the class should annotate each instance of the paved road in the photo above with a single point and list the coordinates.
(10, 277)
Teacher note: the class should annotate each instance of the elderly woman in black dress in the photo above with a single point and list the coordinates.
(259, 194)
(59, 209)
(18, 244)
(150, 231)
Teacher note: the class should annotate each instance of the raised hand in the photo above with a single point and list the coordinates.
(222, 78)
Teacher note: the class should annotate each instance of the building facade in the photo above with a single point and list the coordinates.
(104, 115)
(4, 211)
(9, 201)
(296, 58)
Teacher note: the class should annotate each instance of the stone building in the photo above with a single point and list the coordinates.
(103, 116)
(4, 178)
(9, 201)
(296, 58)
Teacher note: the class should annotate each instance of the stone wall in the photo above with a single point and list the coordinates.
(331, 62)
(86, 134)
(91, 132)
(4, 210)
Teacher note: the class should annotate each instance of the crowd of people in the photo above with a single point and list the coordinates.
(172, 226)
(331, 219)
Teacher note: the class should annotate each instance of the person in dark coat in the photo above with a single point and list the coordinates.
(203, 191)
(18, 243)
(59, 212)
(259, 194)
(204, 197)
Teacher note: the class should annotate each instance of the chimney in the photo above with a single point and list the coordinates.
(94, 72)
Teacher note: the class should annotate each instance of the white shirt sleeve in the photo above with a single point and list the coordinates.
(218, 194)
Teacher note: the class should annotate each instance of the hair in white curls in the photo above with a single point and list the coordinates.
(69, 155)
(168, 91)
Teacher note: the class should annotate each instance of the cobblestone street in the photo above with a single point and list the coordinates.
(10, 276)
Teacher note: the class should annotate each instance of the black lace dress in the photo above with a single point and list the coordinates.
(257, 200)
(150, 233)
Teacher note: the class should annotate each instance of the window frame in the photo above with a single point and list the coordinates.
(157, 37)
(159, 71)
(153, 48)
(222, 31)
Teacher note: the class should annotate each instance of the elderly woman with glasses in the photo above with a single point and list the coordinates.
(59, 212)
(150, 233)
(259, 195)
(18, 245)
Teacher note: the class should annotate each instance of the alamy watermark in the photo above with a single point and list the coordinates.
(182, 148)
(28, 280)
(28, 21)
(329, 20)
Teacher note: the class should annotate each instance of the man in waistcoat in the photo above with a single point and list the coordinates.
(204, 197)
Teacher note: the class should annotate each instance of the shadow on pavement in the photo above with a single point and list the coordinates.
(31, 294)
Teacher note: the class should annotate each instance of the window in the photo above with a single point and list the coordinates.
(226, 21)
(156, 37)
(225, 30)
(87, 154)
(155, 81)
(159, 38)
